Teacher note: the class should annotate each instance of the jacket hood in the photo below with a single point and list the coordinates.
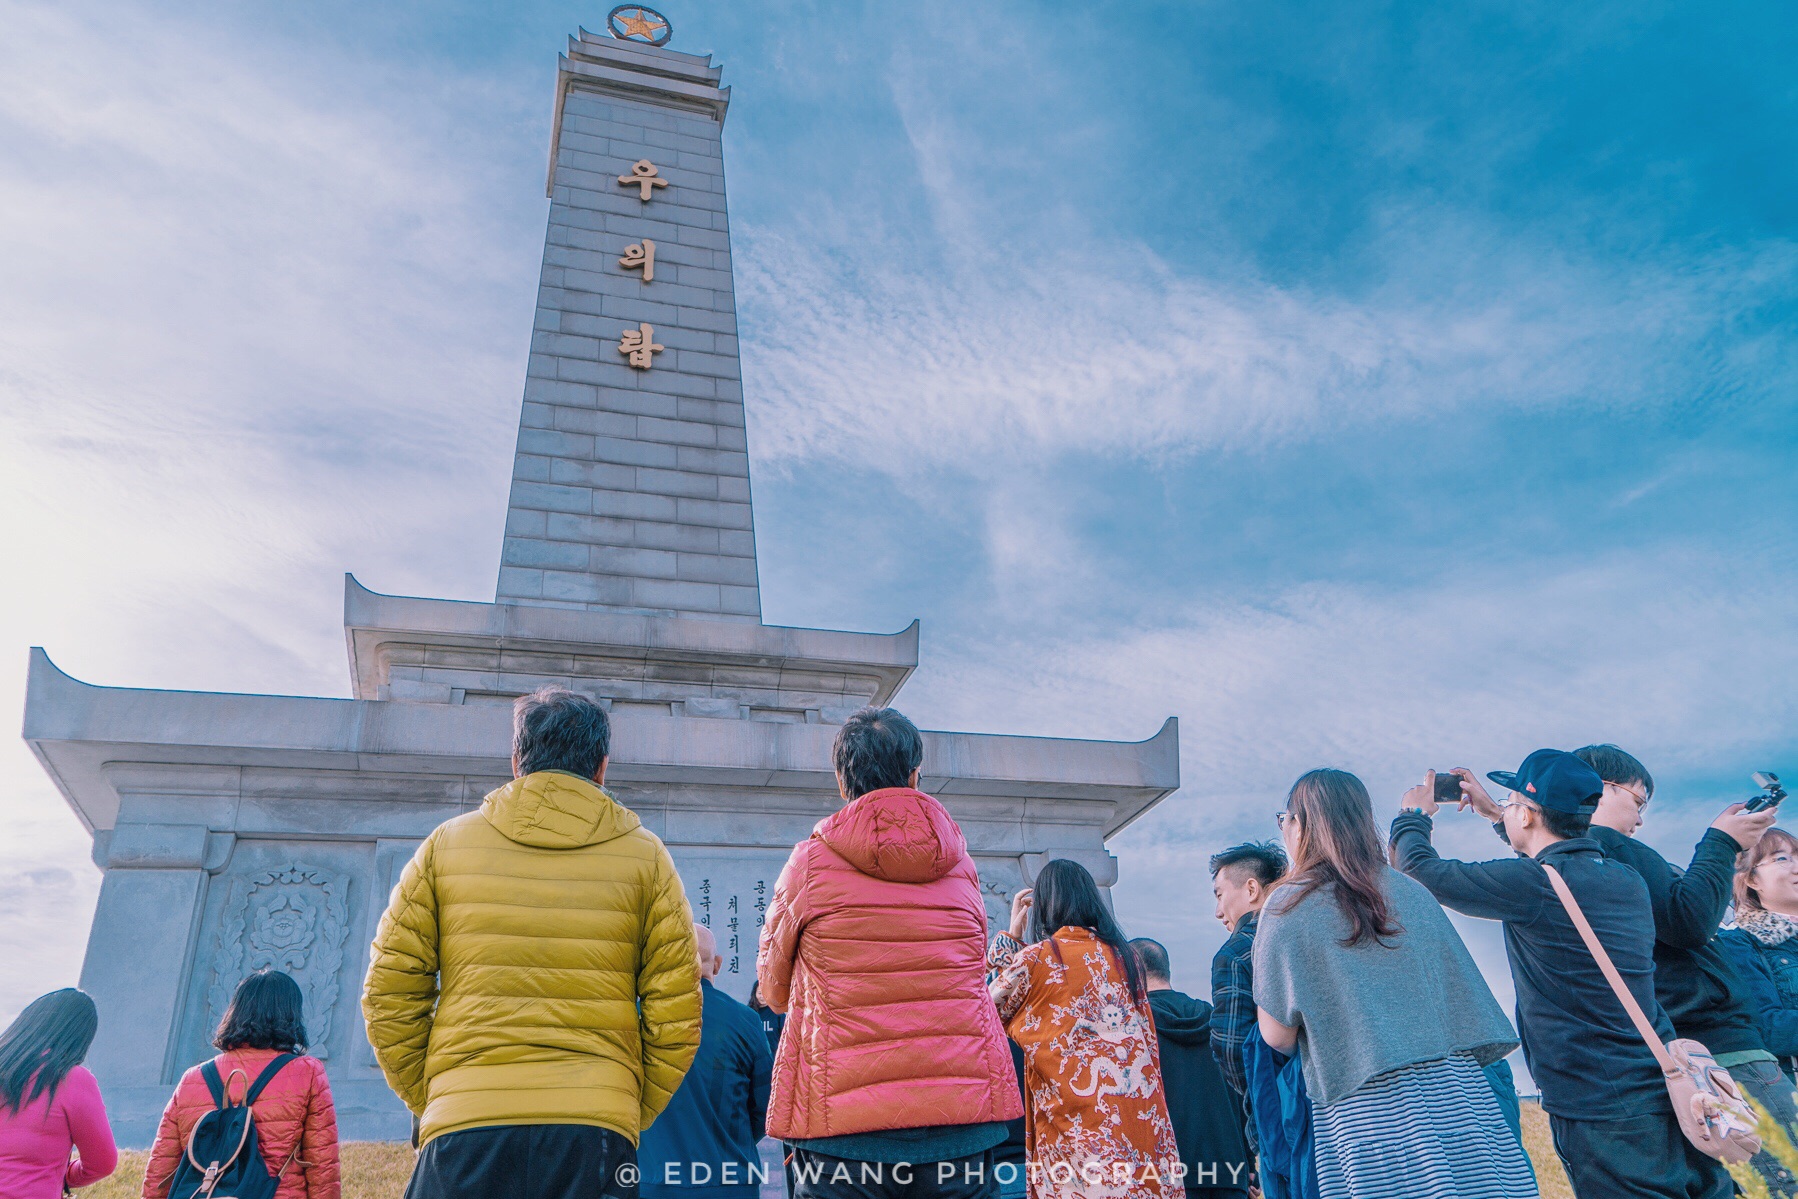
(552, 810)
(900, 835)
(1181, 1018)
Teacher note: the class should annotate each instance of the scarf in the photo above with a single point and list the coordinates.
(1769, 928)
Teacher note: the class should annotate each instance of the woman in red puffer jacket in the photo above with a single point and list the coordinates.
(875, 947)
(296, 1124)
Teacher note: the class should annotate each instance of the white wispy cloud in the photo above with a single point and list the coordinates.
(234, 281)
(47, 891)
(263, 319)
(1021, 324)
(879, 353)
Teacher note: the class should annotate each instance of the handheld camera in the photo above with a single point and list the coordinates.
(1448, 788)
(1771, 791)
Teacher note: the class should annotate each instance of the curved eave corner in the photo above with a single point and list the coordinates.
(1161, 764)
(48, 690)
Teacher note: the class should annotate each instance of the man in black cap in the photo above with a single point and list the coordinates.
(1693, 979)
(1613, 1124)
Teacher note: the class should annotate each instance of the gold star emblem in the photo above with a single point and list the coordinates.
(645, 25)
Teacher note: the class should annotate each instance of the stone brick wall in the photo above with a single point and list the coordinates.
(631, 488)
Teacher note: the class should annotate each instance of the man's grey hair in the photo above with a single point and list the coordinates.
(554, 728)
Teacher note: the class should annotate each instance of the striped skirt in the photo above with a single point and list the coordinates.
(1429, 1129)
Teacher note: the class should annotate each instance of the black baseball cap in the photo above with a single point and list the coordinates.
(1554, 779)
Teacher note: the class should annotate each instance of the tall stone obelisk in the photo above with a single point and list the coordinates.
(630, 491)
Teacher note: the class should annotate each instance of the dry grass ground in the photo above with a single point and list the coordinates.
(371, 1170)
(378, 1170)
(1549, 1176)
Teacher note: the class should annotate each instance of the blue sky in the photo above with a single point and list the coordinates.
(1381, 386)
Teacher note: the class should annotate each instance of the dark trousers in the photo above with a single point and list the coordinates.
(1639, 1157)
(1766, 1085)
(526, 1161)
(820, 1176)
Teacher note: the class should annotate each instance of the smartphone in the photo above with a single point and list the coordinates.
(1448, 788)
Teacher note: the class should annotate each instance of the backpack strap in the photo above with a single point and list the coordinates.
(263, 1079)
(1643, 1025)
(215, 1084)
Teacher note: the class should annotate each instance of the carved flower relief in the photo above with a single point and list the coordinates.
(293, 919)
(283, 930)
(996, 893)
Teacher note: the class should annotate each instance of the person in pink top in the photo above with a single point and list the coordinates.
(49, 1103)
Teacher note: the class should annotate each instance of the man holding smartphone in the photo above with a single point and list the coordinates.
(1614, 1126)
(1692, 978)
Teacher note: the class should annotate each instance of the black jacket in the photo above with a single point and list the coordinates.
(1580, 1044)
(1012, 1149)
(1206, 1113)
(1692, 978)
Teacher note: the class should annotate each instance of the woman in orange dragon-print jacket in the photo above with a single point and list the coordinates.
(1075, 1000)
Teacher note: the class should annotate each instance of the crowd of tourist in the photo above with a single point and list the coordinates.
(541, 1000)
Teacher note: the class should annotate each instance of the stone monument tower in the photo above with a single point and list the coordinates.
(245, 831)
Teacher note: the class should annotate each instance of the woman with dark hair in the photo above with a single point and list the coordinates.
(49, 1103)
(1072, 995)
(1763, 947)
(1358, 970)
(296, 1124)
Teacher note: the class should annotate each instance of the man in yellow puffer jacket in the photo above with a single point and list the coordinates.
(533, 992)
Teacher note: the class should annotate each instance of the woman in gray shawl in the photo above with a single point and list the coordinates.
(1359, 970)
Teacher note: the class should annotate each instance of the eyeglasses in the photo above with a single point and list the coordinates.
(1281, 817)
(1639, 797)
(1515, 801)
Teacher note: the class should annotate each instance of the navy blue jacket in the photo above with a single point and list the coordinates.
(703, 1146)
(1281, 1116)
(1580, 1044)
(772, 1024)
(1769, 979)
